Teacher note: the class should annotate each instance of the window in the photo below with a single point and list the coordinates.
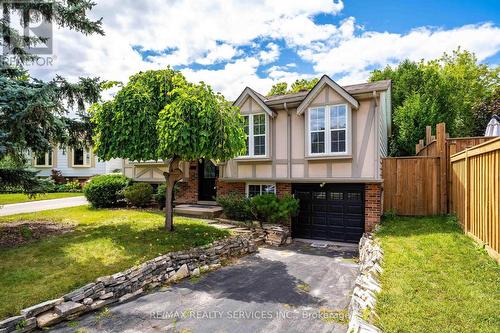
(81, 157)
(43, 159)
(334, 140)
(256, 131)
(258, 189)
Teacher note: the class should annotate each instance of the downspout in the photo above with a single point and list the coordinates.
(289, 139)
(378, 165)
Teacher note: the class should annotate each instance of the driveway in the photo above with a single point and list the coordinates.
(36, 206)
(298, 288)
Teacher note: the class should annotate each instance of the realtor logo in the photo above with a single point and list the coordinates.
(26, 27)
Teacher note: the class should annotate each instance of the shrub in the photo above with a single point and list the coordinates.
(139, 194)
(160, 195)
(235, 206)
(46, 185)
(72, 186)
(268, 208)
(105, 190)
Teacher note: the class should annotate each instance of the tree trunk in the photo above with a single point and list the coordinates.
(172, 176)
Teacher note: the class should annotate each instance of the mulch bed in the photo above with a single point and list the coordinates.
(18, 233)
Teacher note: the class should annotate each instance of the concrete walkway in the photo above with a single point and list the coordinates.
(298, 288)
(36, 206)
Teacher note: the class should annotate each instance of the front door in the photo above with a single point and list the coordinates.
(207, 174)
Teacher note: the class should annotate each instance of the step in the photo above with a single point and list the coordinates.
(198, 211)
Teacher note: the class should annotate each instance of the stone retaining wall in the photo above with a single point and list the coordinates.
(362, 306)
(125, 285)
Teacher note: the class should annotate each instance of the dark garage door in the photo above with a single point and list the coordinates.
(334, 212)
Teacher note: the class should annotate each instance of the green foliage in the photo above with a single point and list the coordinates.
(484, 111)
(281, 88)
(139, 194)
(160, 195)
(159, 115)
(18, 179)
(71, 186)
(269, 208)
(105, 190)
(235, 206)
(447, 89)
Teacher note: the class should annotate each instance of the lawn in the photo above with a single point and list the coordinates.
(10, 198)
(103, 242)
(436, 279)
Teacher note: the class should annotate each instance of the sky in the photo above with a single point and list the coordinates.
(234, 44)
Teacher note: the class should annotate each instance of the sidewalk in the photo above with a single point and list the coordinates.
(36, 206)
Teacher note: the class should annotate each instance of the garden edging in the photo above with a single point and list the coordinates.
(362, 305)
(123, 286)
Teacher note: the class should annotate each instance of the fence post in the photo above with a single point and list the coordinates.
(466, 192)
(443, 166)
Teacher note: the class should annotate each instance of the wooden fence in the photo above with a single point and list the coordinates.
(400, 186)
(475, 193)
(412, 185)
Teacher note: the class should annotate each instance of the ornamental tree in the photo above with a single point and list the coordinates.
(158, 115)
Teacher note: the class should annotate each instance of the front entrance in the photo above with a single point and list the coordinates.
(207, 174)
(333, 212)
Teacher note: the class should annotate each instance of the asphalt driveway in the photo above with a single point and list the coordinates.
(298, 288)
(36, 206)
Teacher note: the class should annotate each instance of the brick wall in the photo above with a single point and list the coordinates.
(224, 188)
(373, 205)
(188, 190)
(283, 188)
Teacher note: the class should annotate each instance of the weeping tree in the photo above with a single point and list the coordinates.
(158, 115)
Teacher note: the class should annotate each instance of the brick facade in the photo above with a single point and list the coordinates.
(188, 190)
(373, 205)
(224, 188)
(283, 188)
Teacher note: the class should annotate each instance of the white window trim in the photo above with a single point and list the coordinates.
(86, 151)
(247, 187)
(328, 131)
(251, 136)
(46, 164)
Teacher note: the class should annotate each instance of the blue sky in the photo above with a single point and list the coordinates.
(231, 44)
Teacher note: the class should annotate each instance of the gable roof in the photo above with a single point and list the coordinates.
(326, 81)
(248, 92)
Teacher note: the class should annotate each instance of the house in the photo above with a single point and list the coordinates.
(324, 146)
(73, 163)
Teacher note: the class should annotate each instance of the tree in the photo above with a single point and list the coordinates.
(484, 111)
(443, 90)
(158, 115)
(33, 113)
(281, 88)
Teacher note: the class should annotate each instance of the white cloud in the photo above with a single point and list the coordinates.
(355, 54)
(218, 53)
(270, 56)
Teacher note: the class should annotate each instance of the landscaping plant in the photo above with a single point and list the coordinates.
(138, 194)
(269, 208)
(235, 206)
(106, 190)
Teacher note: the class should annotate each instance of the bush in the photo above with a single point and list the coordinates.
(160, 195)
(235, 206)
(268, 208)
(139, 194)
(45, 185)
(105, 190)
(72, 186)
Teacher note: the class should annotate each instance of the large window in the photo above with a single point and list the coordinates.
(43, 159)
(81, 157)
(256, 131)
(257, 189)
(328, 130)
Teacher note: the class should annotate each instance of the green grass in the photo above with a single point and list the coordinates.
(104, 242)
(436, 279)
(10, 198)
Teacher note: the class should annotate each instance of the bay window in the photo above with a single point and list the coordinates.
(256, 134)
(328, 130)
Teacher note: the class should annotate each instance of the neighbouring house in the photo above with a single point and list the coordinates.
(73, 163)
(324, 146)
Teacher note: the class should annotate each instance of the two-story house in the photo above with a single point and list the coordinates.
(324, 146)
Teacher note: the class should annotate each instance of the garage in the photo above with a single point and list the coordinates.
(333, 212)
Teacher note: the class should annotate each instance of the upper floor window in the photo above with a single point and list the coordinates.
(328, 129)
(43, 159)
(256, 131)
(81, 157)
